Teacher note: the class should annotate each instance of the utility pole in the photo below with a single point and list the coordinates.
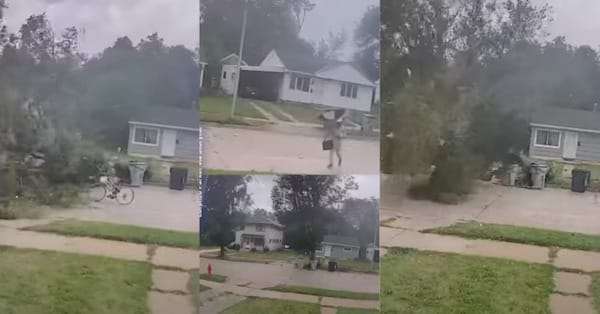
(239, 65)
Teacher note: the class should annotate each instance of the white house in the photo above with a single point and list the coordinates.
(229, 72)
(260, 232)
(289, 76)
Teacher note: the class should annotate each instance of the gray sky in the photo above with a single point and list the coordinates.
(335, 16)
(261, 185)
(106, 20)
(577, 20)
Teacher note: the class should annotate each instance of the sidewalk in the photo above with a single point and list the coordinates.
(571, 279)
(267, 294)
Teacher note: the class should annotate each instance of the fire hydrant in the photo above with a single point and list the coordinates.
(209, 270)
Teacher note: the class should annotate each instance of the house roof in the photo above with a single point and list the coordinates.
(167, 116)
(567, 118)
(341, 240)
(230, 56)
(262, 220)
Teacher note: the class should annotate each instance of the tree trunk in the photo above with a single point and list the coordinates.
(222, 252)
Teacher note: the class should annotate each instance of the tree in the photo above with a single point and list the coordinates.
(366, 38)
(224, 203)
(363, 215)
(305, 206)
(330, 48)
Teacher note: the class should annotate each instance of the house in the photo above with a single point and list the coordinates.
(339, 247)
(165, 133)
(260, 232)
(229, 66)
(293, 77)
(565, 135)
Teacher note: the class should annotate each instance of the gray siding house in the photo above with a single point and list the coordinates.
(165, 133)
(565, 135)
(339, 247)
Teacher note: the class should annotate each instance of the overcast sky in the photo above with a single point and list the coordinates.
(106, 20)
(577, 20)
(261, 185)
(335, 16)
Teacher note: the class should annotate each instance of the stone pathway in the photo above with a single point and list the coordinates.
(267, 294)
(571, 282)
(169, 293)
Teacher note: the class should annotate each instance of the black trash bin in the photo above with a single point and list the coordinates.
(580, 180)
(332, 266)
(178, 178)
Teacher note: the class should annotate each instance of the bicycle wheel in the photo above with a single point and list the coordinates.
(125, 196)
(98, 192)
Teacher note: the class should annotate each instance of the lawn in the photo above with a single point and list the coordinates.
(595, 290)
(519, 234)
(272, 108)
(218, 109)
(425, 282)
(268, 306)
(229, 172)
(257, 257)
(357, 266)
(302, 112)
(39, 282)
(119, 232)
(326, 293)
(213, 277)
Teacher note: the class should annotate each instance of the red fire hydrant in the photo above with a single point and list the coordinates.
(209, 269)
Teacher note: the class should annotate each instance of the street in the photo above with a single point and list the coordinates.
(240, 149)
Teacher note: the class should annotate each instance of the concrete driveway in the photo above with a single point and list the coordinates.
(269, 275)
(556, 209)
(157, 207)
(238, 149)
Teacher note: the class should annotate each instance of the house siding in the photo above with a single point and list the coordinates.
(228, 84)
(588, 149)
(269, 233)
(187, 148)
(337, 251)
(327, 93)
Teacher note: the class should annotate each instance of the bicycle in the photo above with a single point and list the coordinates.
(109, 188)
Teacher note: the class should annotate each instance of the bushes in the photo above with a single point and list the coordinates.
(266, 250)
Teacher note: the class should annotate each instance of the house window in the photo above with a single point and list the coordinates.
(145, 136)
(301, 83)
(547, 138)
(347, 249)
(349, 90)
(260, 228)
(224, 74)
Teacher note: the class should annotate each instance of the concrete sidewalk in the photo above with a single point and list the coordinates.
(267, 294)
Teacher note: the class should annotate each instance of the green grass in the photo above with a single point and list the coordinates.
(261, 257)
(326, 292)
(218, 109)
(221, 172)
(268, 306)
(595, 291)
(272, 108)
(425, 282)
(302, 112)
(39, 282)
(119, 232)
(356, 311)
(519, 234)
(213, 277)
(357, 266)
(194, 289)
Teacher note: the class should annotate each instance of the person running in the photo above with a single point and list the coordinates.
(333, 123)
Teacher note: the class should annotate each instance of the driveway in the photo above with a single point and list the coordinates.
(282, 152)
(556, 209)
(157, 207)
(269, 275)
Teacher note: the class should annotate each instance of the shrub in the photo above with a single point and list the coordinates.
(253, 249)
(266, 249)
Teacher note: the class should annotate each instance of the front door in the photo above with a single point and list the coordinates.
(169, 139)
(571, 143)
(327, 252)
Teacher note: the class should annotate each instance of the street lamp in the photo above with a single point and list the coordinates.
(239, 65)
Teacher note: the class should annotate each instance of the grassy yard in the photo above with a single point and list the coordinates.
(357, 266)
(356, 311)
(257, 257)
(525, 235)
(218, 109)
(424, 282)
(39, 282)
(228, 172)
(119, 232)
(595, 290)
(272, 108)
(302, 112)
(326, 293)
(213, 277)
(268, 306)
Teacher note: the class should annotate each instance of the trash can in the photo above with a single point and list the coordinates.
(136, 172)
(178, 178)
(538, 175)
(580, 180)
(332, 266)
